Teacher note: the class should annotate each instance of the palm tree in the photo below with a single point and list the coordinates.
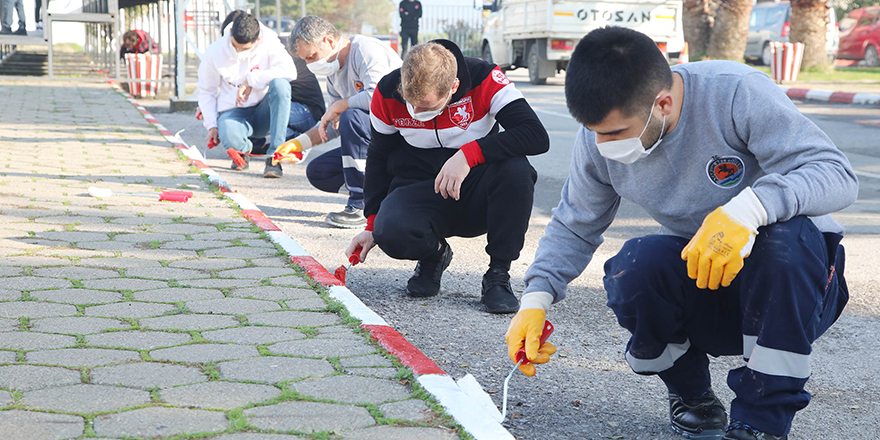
(809, 21)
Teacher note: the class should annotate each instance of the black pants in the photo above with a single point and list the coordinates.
(496, 198)
(409, 37)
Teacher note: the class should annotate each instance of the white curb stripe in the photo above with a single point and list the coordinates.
(242, 201)
(291, 247)
(472, 417)
(356, 307)
(819, 95)
(865, 98)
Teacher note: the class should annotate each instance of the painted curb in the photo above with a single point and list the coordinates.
(822, 95)
(470, 415)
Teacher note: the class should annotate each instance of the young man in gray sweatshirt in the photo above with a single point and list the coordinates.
(353, 66)
(742, 185)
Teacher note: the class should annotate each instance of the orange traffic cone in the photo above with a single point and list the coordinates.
(683, 57)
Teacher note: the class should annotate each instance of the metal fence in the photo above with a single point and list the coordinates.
(461, 24)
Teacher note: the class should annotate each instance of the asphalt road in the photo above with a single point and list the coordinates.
(587, 391)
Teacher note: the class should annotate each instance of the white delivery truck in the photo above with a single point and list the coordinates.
(541, 34)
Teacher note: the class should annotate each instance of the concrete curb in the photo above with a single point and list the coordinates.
(470, 415)
(822, 95)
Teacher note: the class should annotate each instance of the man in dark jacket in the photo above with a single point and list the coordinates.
(438, 167)
(410, 13)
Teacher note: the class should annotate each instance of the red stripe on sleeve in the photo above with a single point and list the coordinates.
(473, 153)
(370, 220)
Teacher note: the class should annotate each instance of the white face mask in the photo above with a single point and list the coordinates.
(243, 55)
(630, 150)
(427, 115)
(324, 67)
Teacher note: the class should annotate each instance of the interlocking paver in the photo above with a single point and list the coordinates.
(218, 283)
(28, 425)
(222, 395)
(9, 295)
(294, 318)
(292, 280)
(177, 294)
(256, 272)
(8, 271)
(9, 324)
(124, 284)
(81, 357)
(227, 235)
(119, 262)
(85, 398)
(77, 296)
(148, 237)
(109, 246)
(210, 263)
(411, 410)
(129, 310)
(232, 306)
(35, 377)
(138, 339)
(68, 219)
(35, 309)
(76, 325)
(147, 375)
(5, 398)
(34, 283)
(309, 417)
(373, 360)
(306, 304)
(159, 422)
(256, 436)
(189, 322)
(196, 244)
(399, 433)
(35, 261)
(253, 335)
(377, 372)
(352, 389)
(197, 353)
(240, 252)
(273, 369)
(273, 293)
(75, 273)
(73, 236)
(142, 220)
(319, 348)
(166, 273)
(183, 228)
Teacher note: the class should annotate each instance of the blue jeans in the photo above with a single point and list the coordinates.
(300, 120)
(789, 292)
(346, 164)
(270, 117)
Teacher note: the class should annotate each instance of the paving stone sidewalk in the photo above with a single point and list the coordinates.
(127, 317)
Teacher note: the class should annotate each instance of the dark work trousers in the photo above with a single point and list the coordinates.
(496, 198)
(789, 292)
(345, 165)
(409, 37)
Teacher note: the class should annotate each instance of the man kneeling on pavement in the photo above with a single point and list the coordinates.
(742, 184)
(438, 167)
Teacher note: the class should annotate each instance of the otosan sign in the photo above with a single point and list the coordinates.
(612, 16)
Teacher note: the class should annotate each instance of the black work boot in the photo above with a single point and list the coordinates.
(272, 171)
(498, 297)
(426, 279)
(741, 431)
(700, 417)
(247, 164)
(348, 218)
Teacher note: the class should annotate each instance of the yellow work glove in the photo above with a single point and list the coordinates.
(525, 331)
(288, 152)
(717, 252)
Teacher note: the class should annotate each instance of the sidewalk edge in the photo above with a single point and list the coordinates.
(826, 96)
(473, 418)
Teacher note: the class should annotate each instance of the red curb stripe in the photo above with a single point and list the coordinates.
(408, 354)
(316, 271)
(842, 97)
(152, 121)
(259, 219)
(165, 133)
(180, 146)
(199, 164)
(797, 93)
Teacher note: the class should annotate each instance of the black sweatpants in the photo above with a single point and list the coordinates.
(496, 198)
(409, 37)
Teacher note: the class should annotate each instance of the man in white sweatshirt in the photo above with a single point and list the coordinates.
(244, 88)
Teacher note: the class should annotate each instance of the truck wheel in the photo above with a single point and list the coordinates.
(766, 55)
(487, 53)
(533, 64)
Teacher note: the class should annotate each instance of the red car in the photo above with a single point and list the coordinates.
(860, 36)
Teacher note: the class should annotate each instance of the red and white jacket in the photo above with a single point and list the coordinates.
(404, 150)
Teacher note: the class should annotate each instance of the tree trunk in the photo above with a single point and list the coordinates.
(731, 30)
(809, 19)
(697, 21)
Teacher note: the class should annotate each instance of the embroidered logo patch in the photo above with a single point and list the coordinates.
(462, 113)
(358, 86)
(726, 171)
(500, 77)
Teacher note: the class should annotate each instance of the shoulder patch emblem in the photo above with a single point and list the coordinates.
(500, 77)
(725, 171)
(358, 86)
(461, 113)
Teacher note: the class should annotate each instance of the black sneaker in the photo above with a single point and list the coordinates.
(5, 31)
(348, 218)
(20, 31)
(741, 431)
(498, 297)
(259, 145)
(700, 417)
(247, 164)
(272, 171)
(426, 278)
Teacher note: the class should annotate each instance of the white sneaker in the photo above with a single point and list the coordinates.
(40, 25)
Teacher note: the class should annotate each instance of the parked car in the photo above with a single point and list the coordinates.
(860, 36)
(286, 23)
(770, 22)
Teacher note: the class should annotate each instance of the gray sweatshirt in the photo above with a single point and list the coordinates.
(737, 129)
(368, 61)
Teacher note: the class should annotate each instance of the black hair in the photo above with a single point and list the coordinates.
(245, 29)
(230, 18)
(614, 68)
